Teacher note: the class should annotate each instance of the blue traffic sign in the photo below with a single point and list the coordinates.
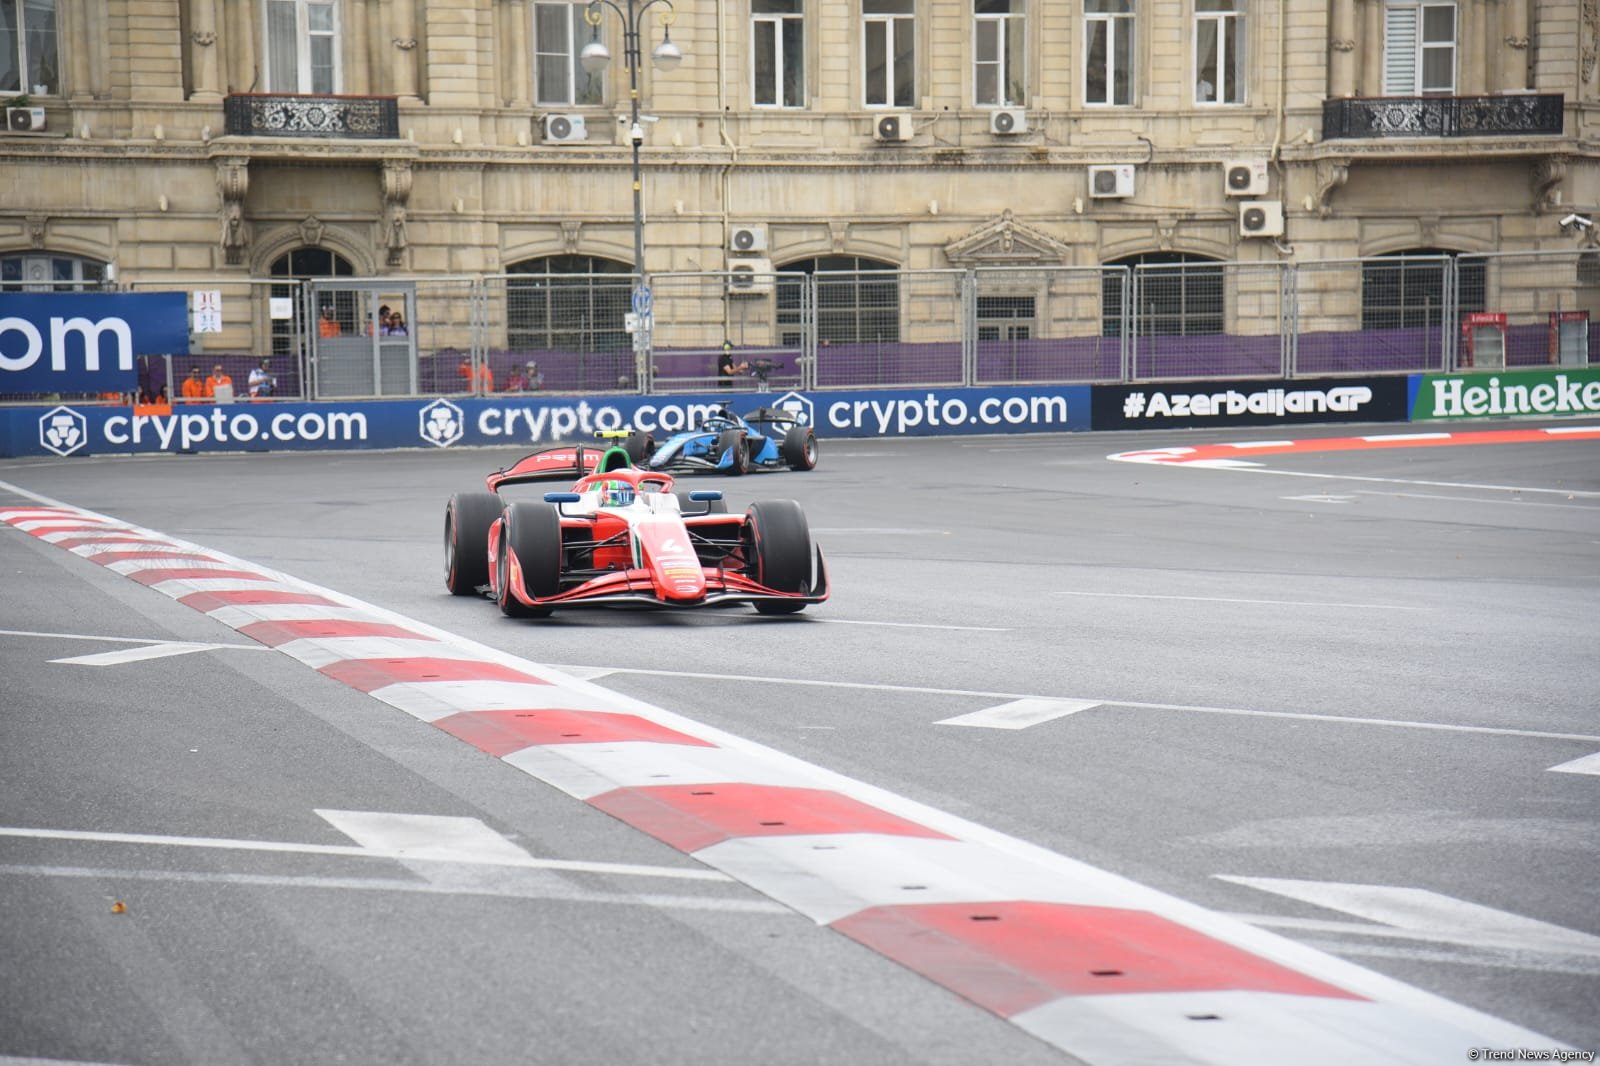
(641, 300)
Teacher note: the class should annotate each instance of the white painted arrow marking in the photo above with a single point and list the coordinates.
(1424, 915)
(1588, 764)
(1019, 714)
(152, 651)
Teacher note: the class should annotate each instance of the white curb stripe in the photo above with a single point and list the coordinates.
(829, 877)
(589, 770)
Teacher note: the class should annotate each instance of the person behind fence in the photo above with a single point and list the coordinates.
(194, 386)
(727, 368)
(483, 379)
(328, 326)
(261, 382)
(397, 324)
(217, 380)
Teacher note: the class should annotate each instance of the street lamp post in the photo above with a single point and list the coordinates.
(595, 57)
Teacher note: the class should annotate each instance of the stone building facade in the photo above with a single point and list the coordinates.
(187, 139)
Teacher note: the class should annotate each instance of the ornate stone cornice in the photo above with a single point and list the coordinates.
(233, 182)
(1331, 173)
(1004, 242)
(1548, 174)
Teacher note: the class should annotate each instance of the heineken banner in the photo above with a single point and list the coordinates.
(1505, 393)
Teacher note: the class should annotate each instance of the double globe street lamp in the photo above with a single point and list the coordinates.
(595, 57)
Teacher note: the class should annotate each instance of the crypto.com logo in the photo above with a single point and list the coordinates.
(63, 431)
(442, 424)
(798, 406)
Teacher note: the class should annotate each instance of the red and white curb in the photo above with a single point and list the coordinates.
(1109, 970)
(1243, 454)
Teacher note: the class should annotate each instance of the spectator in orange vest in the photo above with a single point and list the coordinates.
(194, 386)
(482, 381)
(216, 379)
(328, 326)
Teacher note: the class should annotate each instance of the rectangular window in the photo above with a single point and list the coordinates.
(888, 51)
(29, 61)
(999, 73)
(559, 34)
(1219, 54)
(777, 53)
(1419, 49)
(1108, 52)
(302, 46)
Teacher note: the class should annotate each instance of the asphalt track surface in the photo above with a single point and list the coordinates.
(1340, 669)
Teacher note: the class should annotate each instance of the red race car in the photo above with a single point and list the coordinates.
(624, 536)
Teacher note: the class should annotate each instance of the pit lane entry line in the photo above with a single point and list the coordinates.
(1107, 969)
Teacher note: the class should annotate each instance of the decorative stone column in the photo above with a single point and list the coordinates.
(403, 57)
(233, 181)
(245, 71)
(520, 54)
(203, 49)
(1342, 49)
(1513, 45)
(396, 192)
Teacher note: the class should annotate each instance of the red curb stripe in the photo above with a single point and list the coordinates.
(1207, 452)
(1013, 956)
(44, 531)
(273, 634)
(155, 577)
(502, 732)
(691, 817)
(206, 602)
(369, 675)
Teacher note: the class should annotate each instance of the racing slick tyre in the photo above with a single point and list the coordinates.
(533, 532)
(734, 442)
(800, 448)
(639, 446)
(778, 541)
(688, 506)
(467, 518)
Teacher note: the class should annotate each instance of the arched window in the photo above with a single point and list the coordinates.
(573, 303)
(44, 272)
(1176, 295)
(850, 309)
(303, 264)
(1406, 289)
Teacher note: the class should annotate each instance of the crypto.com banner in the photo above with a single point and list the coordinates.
(1171, 404)
(517, 420)
(55, 342)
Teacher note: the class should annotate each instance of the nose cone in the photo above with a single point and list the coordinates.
(670, 557)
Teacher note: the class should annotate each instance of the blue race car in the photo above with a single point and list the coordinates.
(766, 438)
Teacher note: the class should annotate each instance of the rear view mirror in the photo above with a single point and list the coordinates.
(699, 495)
(563, 497)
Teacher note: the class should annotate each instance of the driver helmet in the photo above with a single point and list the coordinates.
(614, 493)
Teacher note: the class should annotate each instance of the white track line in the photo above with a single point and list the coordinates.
(1224, 599)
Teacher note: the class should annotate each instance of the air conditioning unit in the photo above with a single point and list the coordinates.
(892, 128)
(1244, 177)
(1111, 182)
(564, 129)
(748, 240)
(1261, 218)
(1005, 120)
(24, 119)
(749, 277)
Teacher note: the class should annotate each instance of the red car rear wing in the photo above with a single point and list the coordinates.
(559, 461)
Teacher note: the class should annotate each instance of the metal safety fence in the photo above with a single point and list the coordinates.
(344, 337)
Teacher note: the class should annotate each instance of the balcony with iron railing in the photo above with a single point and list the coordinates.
(371, 118)
(1505, 115)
